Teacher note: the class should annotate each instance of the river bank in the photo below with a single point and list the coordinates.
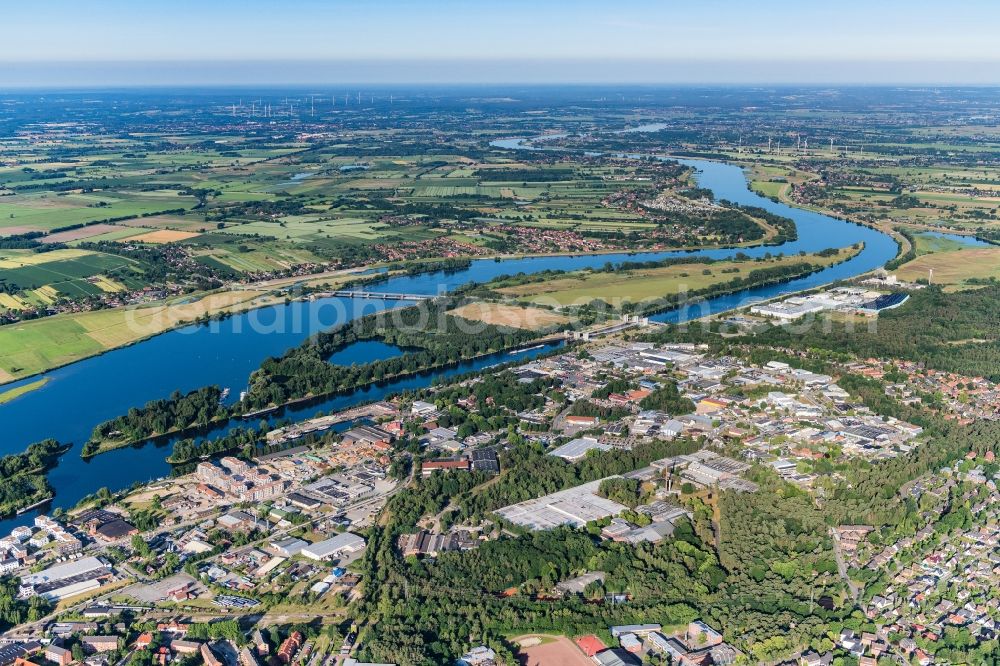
(255, 296)
(97, 447)
(225, 352)
(14, 393)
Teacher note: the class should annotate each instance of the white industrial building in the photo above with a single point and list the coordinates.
(346, 543)
(67, 580)
(574, 506)
(578, 448)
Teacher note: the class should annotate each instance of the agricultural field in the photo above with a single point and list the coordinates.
(513, 316)
(954, 268)
(928, 244)
(776, 182)
(190, 222)
(69, 272)
(884, 190)
(197, 200)
(50, 212)
(81, 233)
(163, 236)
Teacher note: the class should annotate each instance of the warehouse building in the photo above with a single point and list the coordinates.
(66, 580)
(342, 544)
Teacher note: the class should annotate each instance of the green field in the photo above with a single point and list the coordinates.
(927, 244)
(48, 212)
(30, 347)
(581, 287)
(67, 276)
(953, 268)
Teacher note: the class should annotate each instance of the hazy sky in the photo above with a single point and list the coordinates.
(498, 41)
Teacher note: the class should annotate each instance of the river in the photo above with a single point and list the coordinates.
(83, 394)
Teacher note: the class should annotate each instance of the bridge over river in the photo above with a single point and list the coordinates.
(375, 295)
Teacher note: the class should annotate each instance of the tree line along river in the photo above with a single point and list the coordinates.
(79, 396)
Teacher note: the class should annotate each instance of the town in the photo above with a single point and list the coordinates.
(282, 536)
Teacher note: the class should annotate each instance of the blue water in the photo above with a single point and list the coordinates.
(81, 395)
(364, 351)
(815, 232)
(74, 477)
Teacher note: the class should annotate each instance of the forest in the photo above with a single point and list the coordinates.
(157, 417)
(22, 475)
(782, 589)
(957, 332)
(666, 398)
(426, 612)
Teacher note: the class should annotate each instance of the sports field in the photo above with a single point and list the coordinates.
(550, 651)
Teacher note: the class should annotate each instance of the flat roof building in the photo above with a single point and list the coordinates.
(66, 580)
(335, 546)
(289, 546)
(574, 506)
(578, 448)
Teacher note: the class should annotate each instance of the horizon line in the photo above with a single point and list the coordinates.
(445, 85)
(391, 72)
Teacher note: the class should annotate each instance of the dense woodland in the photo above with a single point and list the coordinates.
(157, 417)
(666, 398)
(22, 475)
(782, 587)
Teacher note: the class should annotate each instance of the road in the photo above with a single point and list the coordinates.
(842, 566)
(289, 281)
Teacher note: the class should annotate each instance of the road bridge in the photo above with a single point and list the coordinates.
(376, 295)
